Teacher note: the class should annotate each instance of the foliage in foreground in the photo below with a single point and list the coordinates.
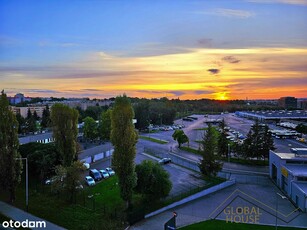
(153, 181)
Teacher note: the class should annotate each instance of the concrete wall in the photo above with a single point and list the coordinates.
(298, 193)
(193, 197)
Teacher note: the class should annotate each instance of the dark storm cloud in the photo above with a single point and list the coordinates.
(205, 42)
(200, 92)
(231, 59)
(214, 71)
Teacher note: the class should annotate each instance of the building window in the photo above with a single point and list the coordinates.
(301, 178)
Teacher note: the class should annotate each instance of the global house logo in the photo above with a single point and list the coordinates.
(242, 214)
(240, 207)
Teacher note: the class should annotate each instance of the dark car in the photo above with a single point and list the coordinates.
(165, 161)
(95, 174)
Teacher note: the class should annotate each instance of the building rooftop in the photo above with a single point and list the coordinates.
(275, 114)
(291, 156)
(297, 169)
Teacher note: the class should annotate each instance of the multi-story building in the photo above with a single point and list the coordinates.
(288, 102)
(23, 111)
(18, 98)
(302, 104)
(289, 172)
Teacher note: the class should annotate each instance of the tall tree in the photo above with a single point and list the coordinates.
(180, 137)
(209, 166)
(105, 125)
(124, 138)
(30, 122)
(222, 144)
(267, 143)
(10, 162)
(46, 122)
(21, 123)
(141, 110)
(90, 128)
(65, 131)
(35, 116)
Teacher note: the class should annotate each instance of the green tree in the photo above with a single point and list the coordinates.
(30, 122)
(222, 144)
(90, 128)
(141, 110)
(124, 138)
(301, 128)
(208, 165)
(65, 131)
(180, 137)
(42, 159)
(10, 164)
(153, 181)
(267, 143)
(72, 179)
(22, 123)
(35, 116)
(259, 142)
(46, 122)
(105, 125)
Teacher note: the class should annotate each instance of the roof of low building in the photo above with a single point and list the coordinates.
(299, 170)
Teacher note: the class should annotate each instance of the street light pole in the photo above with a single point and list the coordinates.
(228, 152)
(27, 182)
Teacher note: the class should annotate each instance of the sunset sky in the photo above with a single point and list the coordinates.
(218, 49)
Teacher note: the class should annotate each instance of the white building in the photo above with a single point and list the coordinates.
(289, 172)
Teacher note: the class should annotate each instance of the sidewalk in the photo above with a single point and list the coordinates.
(20, 215)
(226, 165)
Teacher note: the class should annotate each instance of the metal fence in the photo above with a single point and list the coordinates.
(161, 153)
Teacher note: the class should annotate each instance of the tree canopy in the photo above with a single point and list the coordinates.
(65, 131)
(153, 181)
(209, 166)
(180, 137)
(124, 138)
(10, 162)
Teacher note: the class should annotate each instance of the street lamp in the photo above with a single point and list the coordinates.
(228, 152)
(27, 182)
(283, 197)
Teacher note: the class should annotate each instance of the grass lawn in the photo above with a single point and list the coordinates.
(189, 149)
(102, 211)
(247, 162)
(222, 225)
(153, 139)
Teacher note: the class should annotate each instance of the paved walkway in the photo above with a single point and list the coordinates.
(201, 209)
(20, 215)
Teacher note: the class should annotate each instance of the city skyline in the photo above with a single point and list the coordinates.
(187, 49)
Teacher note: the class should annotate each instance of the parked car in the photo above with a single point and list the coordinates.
(95, 174)
(86, 165)
(89, 181)
(104, 173)
(110, 171)
(165, 161)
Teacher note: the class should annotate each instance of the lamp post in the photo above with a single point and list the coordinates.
(283, 197)
(228, 152)
(27, 182)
